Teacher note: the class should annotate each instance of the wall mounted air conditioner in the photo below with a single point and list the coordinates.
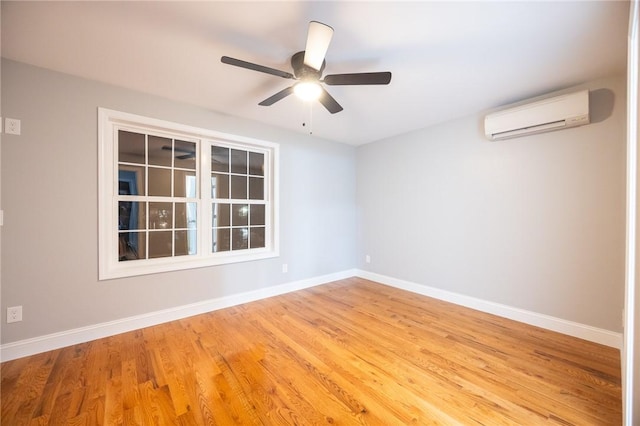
(559, 112)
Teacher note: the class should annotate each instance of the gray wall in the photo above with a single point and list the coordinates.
(49, 195)
(536, 223)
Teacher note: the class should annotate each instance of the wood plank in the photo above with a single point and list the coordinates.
(352, 352)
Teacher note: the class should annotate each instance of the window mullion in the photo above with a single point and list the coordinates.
(205, 224)
(172, 191)
(146, 193)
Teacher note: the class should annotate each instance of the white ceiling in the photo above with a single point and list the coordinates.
(448, 59)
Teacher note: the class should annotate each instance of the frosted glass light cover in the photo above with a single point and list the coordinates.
(307, 90)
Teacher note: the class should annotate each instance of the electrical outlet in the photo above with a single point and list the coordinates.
(12, 126)
(367, 259)
(285, 268)
(14, 314)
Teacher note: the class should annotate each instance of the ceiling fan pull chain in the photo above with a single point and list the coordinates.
(310, 117)
(309, 122)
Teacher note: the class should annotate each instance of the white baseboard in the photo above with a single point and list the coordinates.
(582, 331)
(53, 341)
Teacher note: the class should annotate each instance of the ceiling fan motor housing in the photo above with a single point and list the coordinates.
(305, 72)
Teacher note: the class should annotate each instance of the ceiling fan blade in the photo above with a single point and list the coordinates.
(329, 103)
(255, 67)
(178, 149)
(318, 39)
(358, 78)
(275, 98)
(189, 152)
(186, 156)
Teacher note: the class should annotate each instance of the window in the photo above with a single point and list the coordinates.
(177, 197)
(238, 202)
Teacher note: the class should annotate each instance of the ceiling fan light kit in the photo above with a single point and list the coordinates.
(307, 69)
(307, 90)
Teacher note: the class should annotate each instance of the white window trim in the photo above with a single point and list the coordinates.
(109, 265)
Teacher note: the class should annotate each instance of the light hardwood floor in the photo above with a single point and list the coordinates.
(349, 352)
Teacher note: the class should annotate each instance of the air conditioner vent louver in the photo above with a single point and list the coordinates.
(559, 112)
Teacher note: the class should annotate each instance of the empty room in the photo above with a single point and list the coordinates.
(319, 212)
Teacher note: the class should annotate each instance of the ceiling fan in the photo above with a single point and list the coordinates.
(186, 153)
(307, 70)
